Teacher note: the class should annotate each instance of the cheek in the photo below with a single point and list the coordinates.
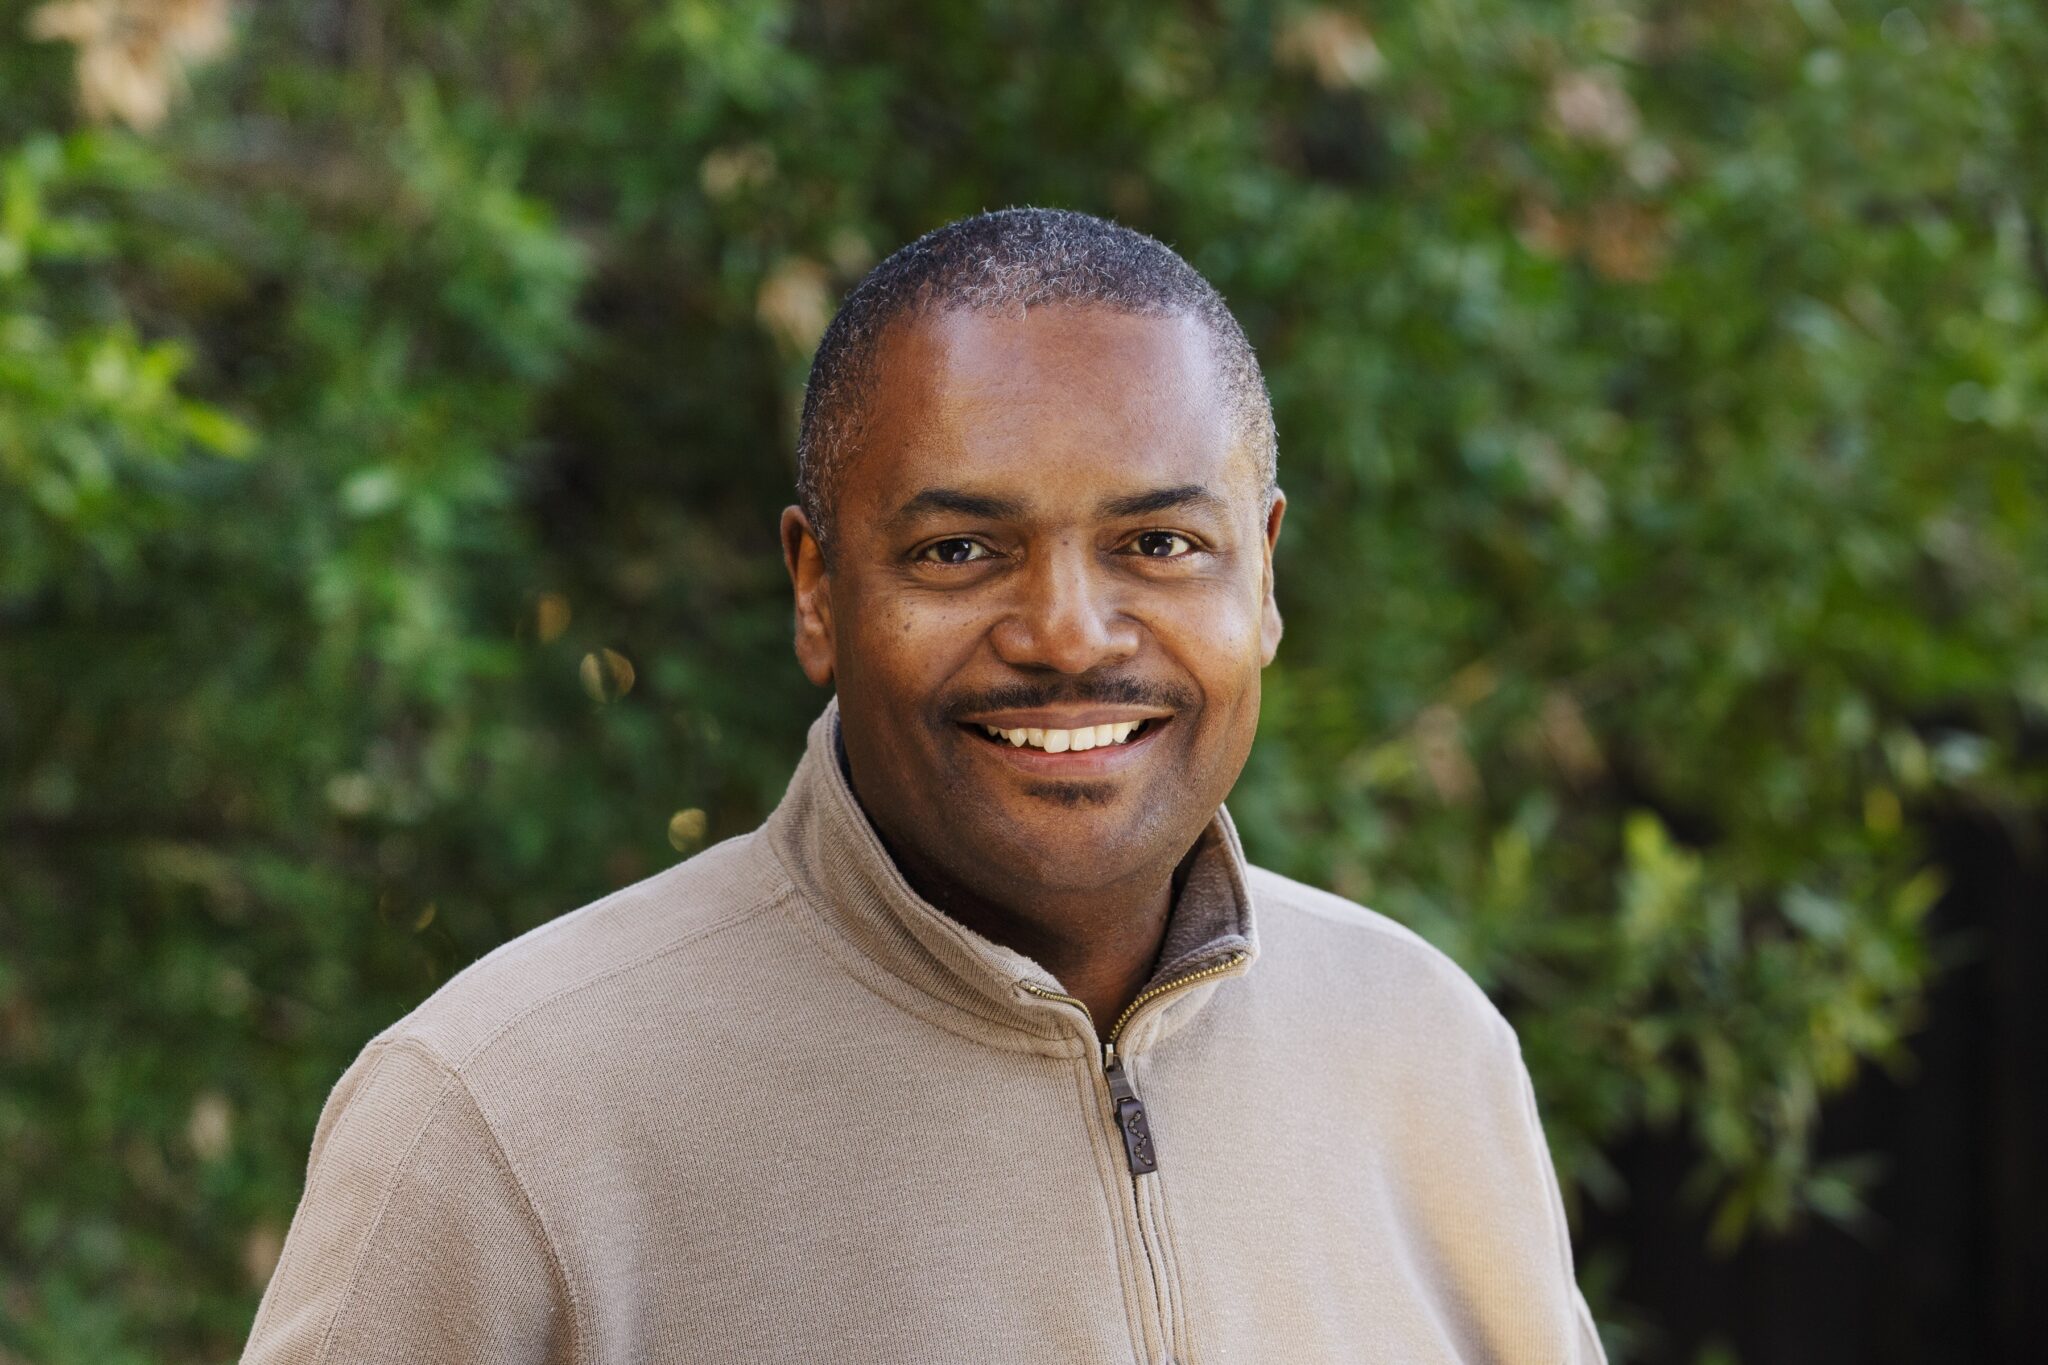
(1216, 635)
(909, 649)
(1220, 647)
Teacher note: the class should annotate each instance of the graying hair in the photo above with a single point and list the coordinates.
(1010, 259)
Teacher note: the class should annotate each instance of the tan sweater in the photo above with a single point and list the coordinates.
(771, 1106)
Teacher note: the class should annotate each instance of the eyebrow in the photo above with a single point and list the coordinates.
(988, 507)
(958, 502)
(1160, 500)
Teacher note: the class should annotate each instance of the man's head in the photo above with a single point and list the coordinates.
(1037, 496)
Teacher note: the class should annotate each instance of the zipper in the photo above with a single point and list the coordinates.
(1130, 1117)
(1116, 1030)
(1131, 1122)
(1134, 1127)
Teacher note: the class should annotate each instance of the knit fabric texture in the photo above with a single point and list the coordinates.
(770, 1105)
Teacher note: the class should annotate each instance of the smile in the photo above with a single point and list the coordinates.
(1078, 740)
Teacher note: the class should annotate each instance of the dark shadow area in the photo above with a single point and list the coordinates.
(1953, 1264)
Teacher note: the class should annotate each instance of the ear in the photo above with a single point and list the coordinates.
(813, 584)
(1269, 611)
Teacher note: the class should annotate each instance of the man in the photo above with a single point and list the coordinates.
(988, 1046)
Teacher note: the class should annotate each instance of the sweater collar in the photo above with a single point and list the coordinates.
(867, 916)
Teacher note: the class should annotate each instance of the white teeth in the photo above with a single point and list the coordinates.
(1080, 739)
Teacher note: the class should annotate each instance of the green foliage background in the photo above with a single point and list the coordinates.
(1661, 398)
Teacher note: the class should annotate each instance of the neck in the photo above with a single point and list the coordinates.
(1100, 943)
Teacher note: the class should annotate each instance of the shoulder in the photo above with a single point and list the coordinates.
(1336, 955)
(632, 942)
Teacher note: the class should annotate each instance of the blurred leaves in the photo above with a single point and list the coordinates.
(1661, 393)
(92, 422)
(133, 54)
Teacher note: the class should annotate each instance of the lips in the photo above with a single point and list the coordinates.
(1034, 751)
(1083, 727)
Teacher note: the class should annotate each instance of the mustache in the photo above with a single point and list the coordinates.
(1105, 691)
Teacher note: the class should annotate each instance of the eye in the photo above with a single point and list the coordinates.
(952, 550)
(1161, 544)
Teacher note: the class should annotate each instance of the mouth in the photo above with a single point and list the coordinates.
(1077, 750)
(1071, 739)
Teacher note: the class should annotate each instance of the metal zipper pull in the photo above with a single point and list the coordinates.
(1130, 1116)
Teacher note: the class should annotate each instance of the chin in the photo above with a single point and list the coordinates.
(1081, 841)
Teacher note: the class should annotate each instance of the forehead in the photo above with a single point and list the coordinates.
(1059, 399)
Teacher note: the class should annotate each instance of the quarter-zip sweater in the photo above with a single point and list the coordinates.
(770, 1105)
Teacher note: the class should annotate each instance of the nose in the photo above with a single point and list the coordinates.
(1066, 617)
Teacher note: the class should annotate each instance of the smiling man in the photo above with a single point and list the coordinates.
(989, 1045)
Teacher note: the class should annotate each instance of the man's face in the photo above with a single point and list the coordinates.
(1053, 529)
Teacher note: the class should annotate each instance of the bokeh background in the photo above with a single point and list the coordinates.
(397, 396)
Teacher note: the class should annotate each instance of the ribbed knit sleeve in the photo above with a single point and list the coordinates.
(415, 1239)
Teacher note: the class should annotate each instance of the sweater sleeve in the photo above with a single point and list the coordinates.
(414, 1239)
(1586, 1348)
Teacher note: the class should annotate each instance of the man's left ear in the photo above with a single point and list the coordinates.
(1269, 611)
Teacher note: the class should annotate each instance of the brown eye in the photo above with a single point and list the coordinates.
(954, 550)
(1161, 545)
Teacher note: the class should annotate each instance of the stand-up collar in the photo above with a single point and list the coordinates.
(867, 916)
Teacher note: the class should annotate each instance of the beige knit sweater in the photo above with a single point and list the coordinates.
(771, 1106)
